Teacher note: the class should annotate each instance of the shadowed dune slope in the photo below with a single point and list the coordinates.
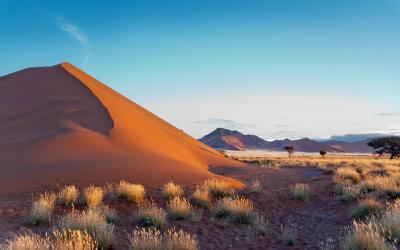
(59, 125)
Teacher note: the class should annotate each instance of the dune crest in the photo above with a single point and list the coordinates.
(61, 124)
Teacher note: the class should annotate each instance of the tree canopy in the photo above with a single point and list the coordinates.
(386, 145)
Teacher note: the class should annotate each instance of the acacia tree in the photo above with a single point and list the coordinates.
(290, 150)
(322, 153)
(386, 145)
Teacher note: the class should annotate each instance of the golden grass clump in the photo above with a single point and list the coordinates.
(145, 239)
(219, 187)
(171, 190)
(384, 185)
(93, 196)
(179, 240)
(256, 186)
(365, 208)
(26, 241)
(347, 173)
(365, 236)
(68, 195)
(132, 192)
(347, 193)
(91, 221)
(149, 215)
(201, 196)
(390, 221)
(301, 191)
(60, 240)
(42, 209)
(236, 209)
(179, 208)
(151, 239)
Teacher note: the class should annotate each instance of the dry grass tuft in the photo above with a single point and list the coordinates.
(347, 173)
(132, 192)
(178, 208)
(365, 236)
(92, 221)
(151, 239)
(171, 190)
(93, 196)
(236, 209)
(42, 209)
(366, 208)
(347, 192)
(259, 225)
(219, 187)
(149, 215)
(145, 239)
(301, 191)
(26, 241)
(68, 195)
(256, 186)
(289, 233)
(201, 196)
(60, 240)
(390, 221)
(179, 240)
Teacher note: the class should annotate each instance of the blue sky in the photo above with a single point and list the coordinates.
(276, 68)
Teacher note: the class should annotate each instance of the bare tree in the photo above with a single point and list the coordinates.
(386, 145)
(290, 150)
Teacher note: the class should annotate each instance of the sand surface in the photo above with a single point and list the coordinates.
(58, 125)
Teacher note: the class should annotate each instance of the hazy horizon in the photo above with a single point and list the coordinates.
(276, 69)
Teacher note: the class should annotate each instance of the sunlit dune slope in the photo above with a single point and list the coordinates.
(60, 125)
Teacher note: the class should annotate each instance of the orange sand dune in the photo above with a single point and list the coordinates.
(59, 125)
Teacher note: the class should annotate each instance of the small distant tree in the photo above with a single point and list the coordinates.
(322, 153)
(289, 149)
(386, 145)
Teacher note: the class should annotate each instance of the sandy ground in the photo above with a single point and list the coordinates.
(321, 218)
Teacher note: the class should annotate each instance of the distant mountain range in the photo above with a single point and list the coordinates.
(226, 139)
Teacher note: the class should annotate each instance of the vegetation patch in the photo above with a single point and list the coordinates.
(179, 208)
(42, 208)
(68, 195)
(171, 190)
(149, 215)
(132, 192)
(235, 209)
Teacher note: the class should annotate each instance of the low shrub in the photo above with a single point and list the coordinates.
(347, 173)
(60, 240)
(219, 187)
(347, 192)
(42, 208)
(289, 233)
(259, 225)
(301, 191)
(92, 221)
(366, 208)
(93, 196)
(171, 190)
(179, 240)
(256, 186)
(365, 236)
(178, 208)
(201, 196)
(132, 192)
(149, 215)
(145, 239)
(236, 209)
(68, 195)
